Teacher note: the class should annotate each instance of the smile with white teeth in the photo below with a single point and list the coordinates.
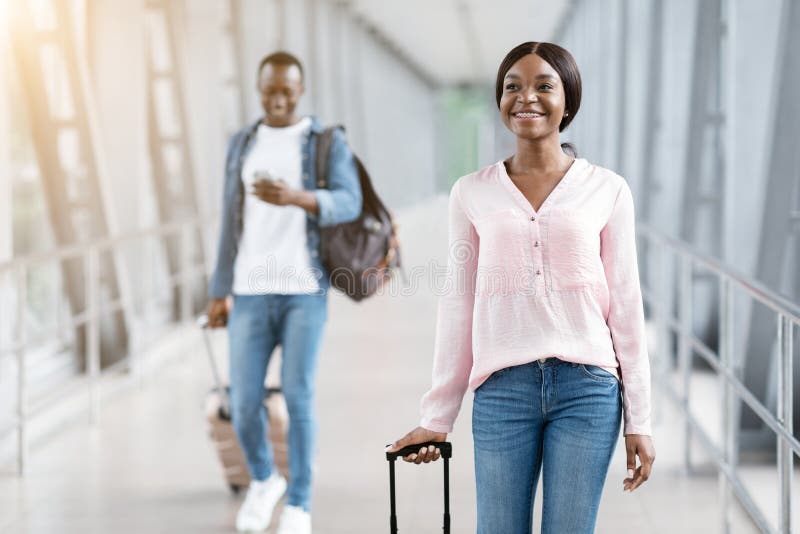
(525, 115)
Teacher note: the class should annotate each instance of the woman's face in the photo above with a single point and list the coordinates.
(532, 104)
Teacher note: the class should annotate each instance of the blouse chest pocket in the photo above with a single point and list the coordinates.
(501, 238)
(573, 248)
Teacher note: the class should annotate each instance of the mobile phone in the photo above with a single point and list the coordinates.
(263, 175)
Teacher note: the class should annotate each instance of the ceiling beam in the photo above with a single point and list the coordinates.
(471, 37)
(392, 48)
(564, 21)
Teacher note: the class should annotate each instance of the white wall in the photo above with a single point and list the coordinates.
(399, 137)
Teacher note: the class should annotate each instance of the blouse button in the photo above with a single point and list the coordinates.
(533, 218)
(538, 272)
(536, 244)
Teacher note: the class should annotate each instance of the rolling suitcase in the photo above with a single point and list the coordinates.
(220, 428)
(446, 449)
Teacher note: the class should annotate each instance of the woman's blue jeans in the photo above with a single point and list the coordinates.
(559, 417)
(257, 324)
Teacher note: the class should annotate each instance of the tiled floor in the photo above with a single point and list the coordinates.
(149, 467)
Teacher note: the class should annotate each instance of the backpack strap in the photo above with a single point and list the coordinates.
(324, 146)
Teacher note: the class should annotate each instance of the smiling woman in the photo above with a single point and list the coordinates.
(548, 354)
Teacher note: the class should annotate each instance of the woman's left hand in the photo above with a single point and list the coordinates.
(641, 446)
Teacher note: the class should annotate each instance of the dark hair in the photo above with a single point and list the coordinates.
(563, 63)
(281, 58)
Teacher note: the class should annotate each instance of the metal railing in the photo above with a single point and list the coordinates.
(728, 369)
(734, 391)
(96, 308)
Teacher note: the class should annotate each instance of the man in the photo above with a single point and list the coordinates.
(268, 261)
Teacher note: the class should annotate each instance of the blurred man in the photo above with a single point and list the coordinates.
(268, 262)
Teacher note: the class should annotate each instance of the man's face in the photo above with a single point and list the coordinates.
(280, 87)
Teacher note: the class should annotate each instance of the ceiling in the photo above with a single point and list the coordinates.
(461, 41)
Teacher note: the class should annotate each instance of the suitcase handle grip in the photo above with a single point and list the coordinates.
(445, 447)
(225, 406)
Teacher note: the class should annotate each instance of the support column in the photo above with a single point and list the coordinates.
(73, 188)
(650, 189)
(7, 291)
(780, 222)
(6, 236)
(622, 90)
(169, 136)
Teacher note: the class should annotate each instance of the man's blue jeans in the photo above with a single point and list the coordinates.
(257, 324)
(559, 417)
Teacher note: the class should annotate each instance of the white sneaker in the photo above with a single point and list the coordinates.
(294, 520)
(262, 496)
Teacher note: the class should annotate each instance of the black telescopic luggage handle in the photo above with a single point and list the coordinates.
(446, 449)
(225, 402)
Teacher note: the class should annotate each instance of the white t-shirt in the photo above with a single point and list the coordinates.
(273, 255)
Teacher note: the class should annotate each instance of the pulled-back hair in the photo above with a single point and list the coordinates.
(563, 63)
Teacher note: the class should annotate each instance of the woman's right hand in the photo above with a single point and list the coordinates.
(419, 435)
(217, 313)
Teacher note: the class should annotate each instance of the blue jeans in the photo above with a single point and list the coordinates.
(257, 324)
(557, 416)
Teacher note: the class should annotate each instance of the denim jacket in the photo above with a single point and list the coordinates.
(339, 201)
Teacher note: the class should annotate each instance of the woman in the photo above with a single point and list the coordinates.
(544, 319)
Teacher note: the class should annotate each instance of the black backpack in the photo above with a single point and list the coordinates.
(360, 255)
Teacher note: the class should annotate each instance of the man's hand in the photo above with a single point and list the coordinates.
(641, 446)
(274, 191)
(217, 312)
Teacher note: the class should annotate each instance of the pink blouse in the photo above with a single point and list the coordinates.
(523, 285)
